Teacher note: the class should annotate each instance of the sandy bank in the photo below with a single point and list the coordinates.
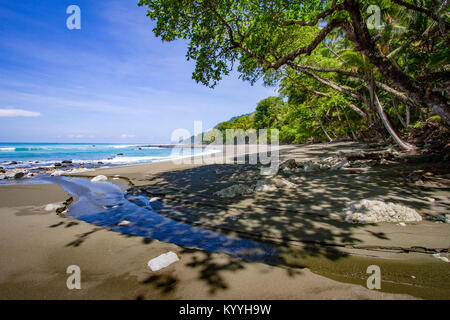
(37, 246)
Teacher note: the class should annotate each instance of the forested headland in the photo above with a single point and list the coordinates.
(345, 69)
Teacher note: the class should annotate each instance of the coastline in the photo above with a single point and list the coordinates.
(192, 277)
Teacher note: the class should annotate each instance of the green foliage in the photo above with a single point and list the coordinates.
(280, 42)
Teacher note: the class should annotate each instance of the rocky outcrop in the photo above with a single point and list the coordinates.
(15, 173)
(235, 190)
(374, 211)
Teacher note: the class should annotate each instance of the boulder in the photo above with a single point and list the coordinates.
(16, 173)
(265, 186)
(57, 164)
(289, 164)
(234, 190)
(57, 173)
(374, 211)
(99, 178)
(66, 161)
(339, 165)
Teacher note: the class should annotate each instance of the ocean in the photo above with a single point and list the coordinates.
(29, 155)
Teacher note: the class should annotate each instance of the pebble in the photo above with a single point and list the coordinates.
(438, 256)
(162, 261)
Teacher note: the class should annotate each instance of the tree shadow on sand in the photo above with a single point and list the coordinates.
(304, 215)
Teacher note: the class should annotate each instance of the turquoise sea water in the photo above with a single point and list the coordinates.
(42, 154)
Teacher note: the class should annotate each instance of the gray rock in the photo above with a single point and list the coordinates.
(435, 217)
(19, 175)
(289, 164)
(265, 186)
(235, 190)
(16, 173)
(339, 165)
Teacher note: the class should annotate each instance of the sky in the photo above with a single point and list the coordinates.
(110, 81)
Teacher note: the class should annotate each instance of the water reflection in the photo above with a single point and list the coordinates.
(104, 204)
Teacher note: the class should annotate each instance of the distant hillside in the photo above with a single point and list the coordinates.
(235, 118)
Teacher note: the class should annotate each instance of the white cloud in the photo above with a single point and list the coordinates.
(18, 113)
(124, 135)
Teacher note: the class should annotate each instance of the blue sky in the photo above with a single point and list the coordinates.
(111, 81)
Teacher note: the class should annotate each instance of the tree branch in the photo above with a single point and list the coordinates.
(335, 7)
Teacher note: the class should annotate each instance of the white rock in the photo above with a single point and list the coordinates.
(163, 261)
(53, 206)
(58, 173)
(265, 186)
(79, 170)
(402, 224)
(374, 211)
(429, 199)
(154, 199)
(438, 256)
(99, 178)
(124, 223)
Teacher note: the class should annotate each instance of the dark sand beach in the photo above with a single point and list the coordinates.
(322, 256)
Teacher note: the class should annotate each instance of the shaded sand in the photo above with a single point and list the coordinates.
(37, 246)
(305, 217)
(303, 214)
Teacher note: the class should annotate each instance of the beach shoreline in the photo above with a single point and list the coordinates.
(123, 274)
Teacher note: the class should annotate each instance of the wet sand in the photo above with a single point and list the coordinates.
(37, 246)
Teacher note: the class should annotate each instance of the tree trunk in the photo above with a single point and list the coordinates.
(365, 43)
(402, 144)
(399, 116)
(321, 125)
(340, 122)
(349, 125)
(408, 115)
